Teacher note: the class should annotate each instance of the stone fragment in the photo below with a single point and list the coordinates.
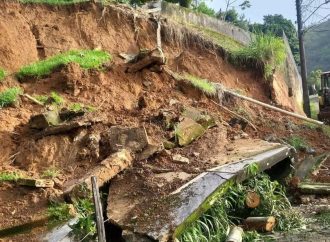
(181, 159)
(42, 183)
(133, 139)
(200, 117)
(168, 145)
(188, 130)
(149, 151)
(44, 120)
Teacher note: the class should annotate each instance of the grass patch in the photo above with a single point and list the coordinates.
(265, 51)
(297, 142)
(76, 107)
(224, 41)
(59, 212)
(87, 59)
(230, 209)
(9, 176)
(51, 172)
(53, 98)
(2, 74)
(202, 84)
(323, 218)
(9, 96)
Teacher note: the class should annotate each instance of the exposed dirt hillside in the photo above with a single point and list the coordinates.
(34, 32)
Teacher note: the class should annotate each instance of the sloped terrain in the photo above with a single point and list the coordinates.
(33, 32)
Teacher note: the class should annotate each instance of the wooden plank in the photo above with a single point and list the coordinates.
(98, 210)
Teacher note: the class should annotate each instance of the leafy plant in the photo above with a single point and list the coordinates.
(230, 209)
(202, 84)
(297, 142)
(323, 217)
(42, 98)
(9, 96)
(9, 176)
(2, 74)
(85, 226)
(51, 172)
(59, 212)
(87, 59)
(265, 51)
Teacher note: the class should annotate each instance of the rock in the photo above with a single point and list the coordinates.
(117, 138)
(168, 145)
(147, 83)
(142, 102)
(167, 118)
(244, 135)
(149, 151)
(42, 183)
(310, 151)
(196, 154)
(201, 118)
(66, 115)
(44, 120)
(187, 131)
(173, 102)
(181, 159)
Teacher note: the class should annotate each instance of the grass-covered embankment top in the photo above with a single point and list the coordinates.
(87, 59)
(53, 2)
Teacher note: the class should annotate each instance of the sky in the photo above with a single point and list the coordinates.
(260, 8)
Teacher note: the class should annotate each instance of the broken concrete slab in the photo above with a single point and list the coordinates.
(133, 139)
(31, 182)
(314, 188)
(200, 117)
(108, 168)
(163, 217)
(45, 120)
(187, 131)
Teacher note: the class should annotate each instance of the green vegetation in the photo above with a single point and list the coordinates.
(2, 74)
(59, 212)
(230, 209)
(85, 224)
(76, 107)
(9, 96)
(314, 105)
(317, 46)
(265, 51)
(56, 98)
(323, 218)
(297, 142)
(275, 25)
(51, 172)
(202, 84)
(87, 59)
(9, 176)
(42, 98)
(224, 41)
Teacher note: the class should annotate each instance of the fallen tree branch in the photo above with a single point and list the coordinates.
(33, 99)
(271, 107)
(235, 114)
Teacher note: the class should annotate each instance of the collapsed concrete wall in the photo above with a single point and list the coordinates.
(185, 15)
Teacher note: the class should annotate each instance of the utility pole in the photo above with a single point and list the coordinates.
(307, 108)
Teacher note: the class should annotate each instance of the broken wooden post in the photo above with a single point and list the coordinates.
(98, 210)
(252, 199)
(235, 234)
(262, 224)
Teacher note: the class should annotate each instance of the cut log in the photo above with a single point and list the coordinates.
(235, 234)
(154, 57)
(262, 224)
(42, 183)
(252, 199)
(108, 169)
(315, 188)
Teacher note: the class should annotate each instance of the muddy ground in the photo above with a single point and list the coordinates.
(34, 32)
